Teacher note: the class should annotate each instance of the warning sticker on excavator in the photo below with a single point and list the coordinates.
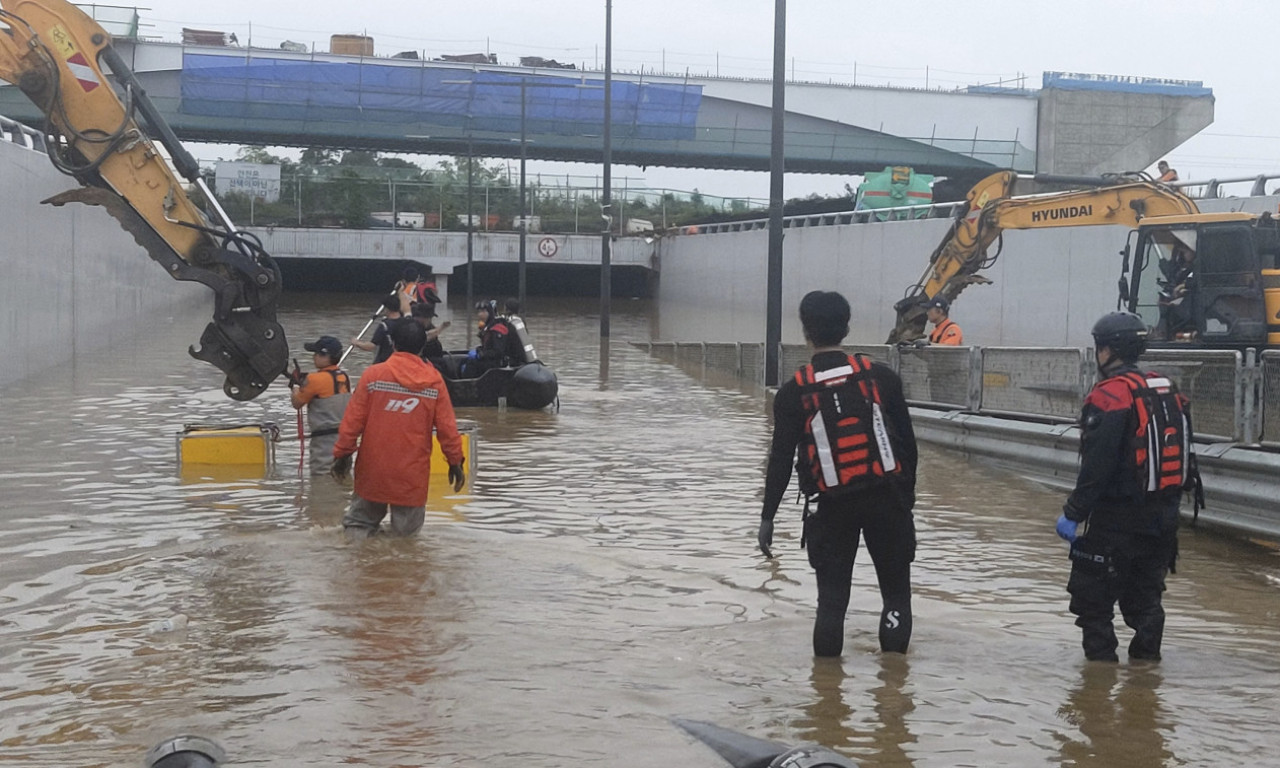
(79, 65)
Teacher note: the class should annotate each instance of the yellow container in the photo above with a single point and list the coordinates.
(242, 446)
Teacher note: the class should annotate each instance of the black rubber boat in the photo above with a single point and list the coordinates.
(528, 384)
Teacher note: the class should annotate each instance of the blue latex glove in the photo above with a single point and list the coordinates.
(1067, 528)
(472, 354)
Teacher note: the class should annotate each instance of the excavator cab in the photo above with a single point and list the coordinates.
(1199, 280)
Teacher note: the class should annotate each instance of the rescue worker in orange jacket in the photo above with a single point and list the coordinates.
(867, 481)
(324, 393)
(1122, 517)
(945, 331)
(393, 411)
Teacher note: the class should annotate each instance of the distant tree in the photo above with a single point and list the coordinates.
(359, 157)
(318, 156)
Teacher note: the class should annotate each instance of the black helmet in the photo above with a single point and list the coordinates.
(490, 306)
(1124, 332)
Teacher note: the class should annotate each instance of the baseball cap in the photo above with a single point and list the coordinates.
(325, 344)
(940, 302)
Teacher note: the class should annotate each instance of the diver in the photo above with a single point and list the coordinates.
(492, 351)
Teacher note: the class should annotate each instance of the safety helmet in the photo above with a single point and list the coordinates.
(1124, 332)
(490, 306)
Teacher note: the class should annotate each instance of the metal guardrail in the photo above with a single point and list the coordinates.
(1235, 396)
(17, 133)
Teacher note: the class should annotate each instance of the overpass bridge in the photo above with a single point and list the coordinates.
(1074, 124)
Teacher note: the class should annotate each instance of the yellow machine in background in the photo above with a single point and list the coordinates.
(55, 54)
(1230, 298)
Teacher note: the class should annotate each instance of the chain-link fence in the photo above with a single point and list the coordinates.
(1035, 381)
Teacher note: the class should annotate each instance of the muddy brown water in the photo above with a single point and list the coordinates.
(601, 579)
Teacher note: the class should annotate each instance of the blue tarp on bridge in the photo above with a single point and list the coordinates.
(423, 95)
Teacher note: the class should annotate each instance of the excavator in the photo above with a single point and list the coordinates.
(58, 57)
(1206, 280)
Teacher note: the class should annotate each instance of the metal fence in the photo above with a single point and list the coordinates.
(1235, 395)
(1269, 397)
(1215, 383)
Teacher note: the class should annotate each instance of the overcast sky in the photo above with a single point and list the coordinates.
(1227, 44)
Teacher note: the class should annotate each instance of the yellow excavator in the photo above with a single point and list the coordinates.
(1198, 279)
(56, 55)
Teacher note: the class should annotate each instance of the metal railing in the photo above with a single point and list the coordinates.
(1235, 395)
(13, 131)
(1210, 189)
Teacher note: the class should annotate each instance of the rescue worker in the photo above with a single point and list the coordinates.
(432, 350)
(324, 394)
(424, 292)
(1122, 517)
(516, 352)
(1167, 174)
(406, 289)
(866, 491)
(492, 351)
(945, 331)
(381, 340)
(393, 411)
(1175, 301)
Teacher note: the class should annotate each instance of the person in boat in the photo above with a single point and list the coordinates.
(381, 339)
(424, 291)
(492, 351)
(324, 394)
(516, 353)
(406, 290)
(393, 411)
(433, 351)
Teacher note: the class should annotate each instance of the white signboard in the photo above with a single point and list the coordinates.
(252, 179)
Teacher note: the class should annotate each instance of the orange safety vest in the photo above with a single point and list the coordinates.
(947, 333)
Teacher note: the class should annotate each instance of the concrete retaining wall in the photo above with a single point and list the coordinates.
(1050, 285)
(72, 277)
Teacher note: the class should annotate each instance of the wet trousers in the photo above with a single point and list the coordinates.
(364, 518)
(321, 448)
(1109, 568)
(832, 535)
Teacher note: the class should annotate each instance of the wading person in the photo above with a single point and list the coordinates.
(324, 393)
(1122, 517)
(392, 413)
(844, 421)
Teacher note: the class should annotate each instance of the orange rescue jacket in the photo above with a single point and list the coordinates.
(393, 410)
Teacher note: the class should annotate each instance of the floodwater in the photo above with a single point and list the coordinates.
(600, 579)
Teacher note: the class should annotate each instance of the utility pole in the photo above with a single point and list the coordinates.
(773, 283)
(606, 206)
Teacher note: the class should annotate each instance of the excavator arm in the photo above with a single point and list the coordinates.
(55, 54)
(963, 253)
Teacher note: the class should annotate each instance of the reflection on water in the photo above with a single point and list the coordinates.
(600, 579)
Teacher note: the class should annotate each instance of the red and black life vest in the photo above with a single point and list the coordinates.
(846, 445)
(1160, 444)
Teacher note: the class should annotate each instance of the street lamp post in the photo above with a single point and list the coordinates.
(606, 277)
(524, 215)
(777, 165)
(471, 229)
